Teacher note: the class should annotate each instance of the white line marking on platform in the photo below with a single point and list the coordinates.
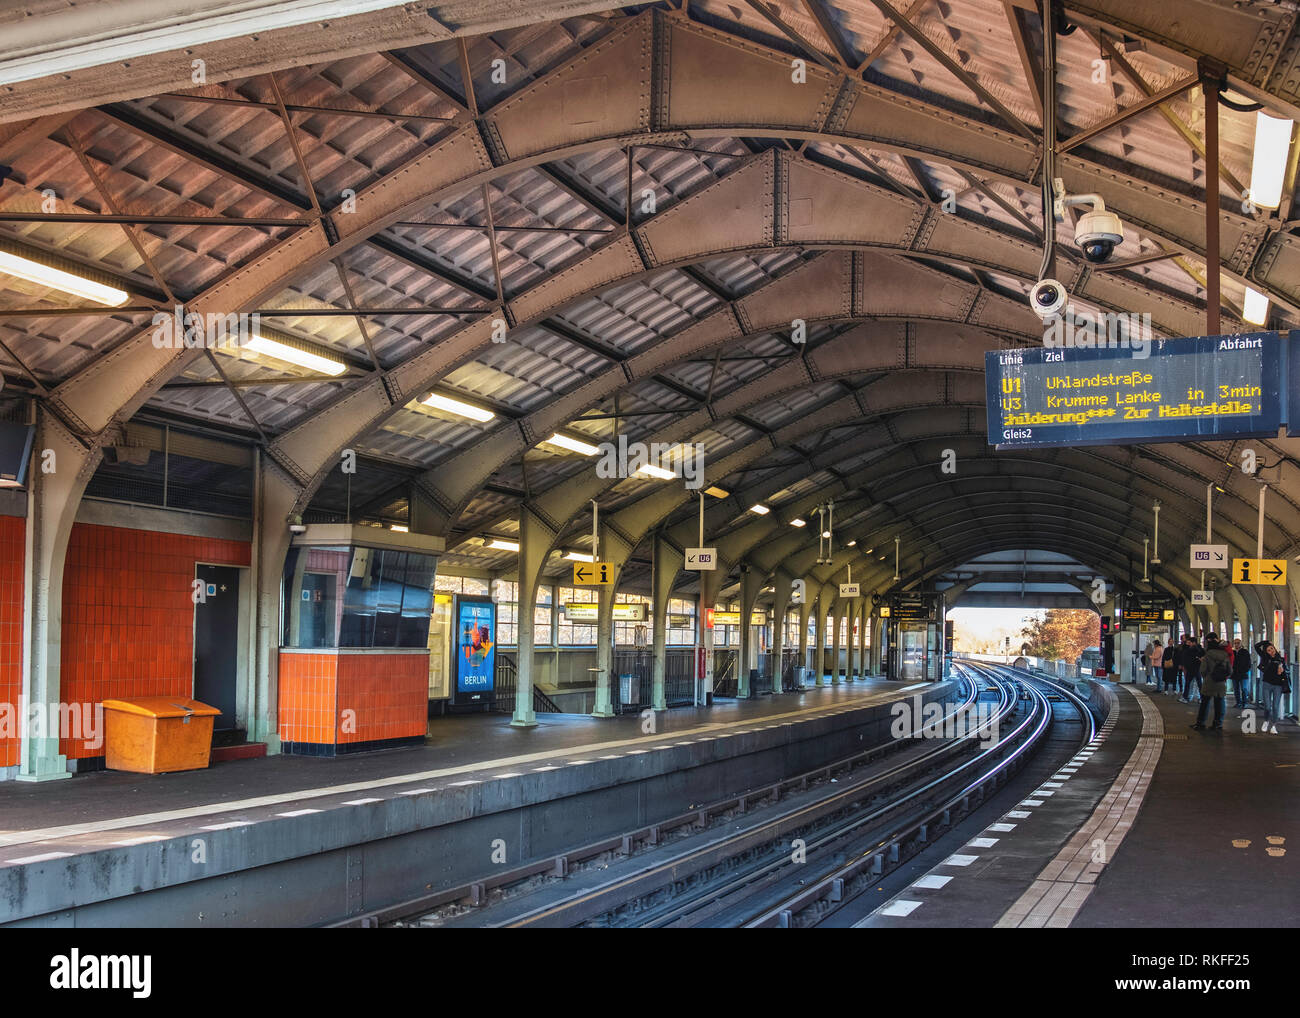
(959, 860)
(298, 813)
(227, 826)
(1001, 827)
(143, 839)
(614, 757)
(1043, 794)
(416, 791)
(1019, 814)
(578, 763)
(982, 842)
(900, 908)
(1032, 802)
(931, 882)
(637, 752)
(549, 767)
(1053, 784)
(461, 784)
(875, 698)
(509, 774)
(361, 802)
(46, 857)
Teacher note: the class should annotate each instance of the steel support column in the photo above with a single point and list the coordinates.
(58, 474)
(780, 605)
(751, 582)
(668, 560)
(535, 539)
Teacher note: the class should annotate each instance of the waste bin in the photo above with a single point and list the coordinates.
(157, 734)
(629, 690)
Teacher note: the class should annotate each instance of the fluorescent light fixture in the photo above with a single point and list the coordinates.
(397, 528)
(796, 522)
(130, 36)
(43, 275)
(293, 355)
(657, 472)
(826, 533)
(716, 492)
(1255, 309)
(869, 551)
(572, 444)
(759, 509)
(579, 556)
(457, 407)
(499, 545)
(853, 544)
(1272, 140)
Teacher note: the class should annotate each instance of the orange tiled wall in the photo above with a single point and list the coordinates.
(308, 685)
(388, 692)
(128, 616)
(12, 531)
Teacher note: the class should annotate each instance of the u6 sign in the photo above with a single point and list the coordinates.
(704, 559)
(1209, 556)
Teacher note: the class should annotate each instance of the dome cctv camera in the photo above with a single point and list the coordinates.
(1048, 298)
(1097, 233)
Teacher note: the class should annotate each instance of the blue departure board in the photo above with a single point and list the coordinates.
(1183, 390)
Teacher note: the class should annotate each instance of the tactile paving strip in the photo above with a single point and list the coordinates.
(1059, 891)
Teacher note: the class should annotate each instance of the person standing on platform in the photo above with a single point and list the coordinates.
(1153, 656)
(1192, 669)
(1217, 670)
(1273, 684)
(1240, 674)
(1168, 668)
(1180, 665)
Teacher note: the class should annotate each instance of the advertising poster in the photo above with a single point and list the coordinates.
(475, 649)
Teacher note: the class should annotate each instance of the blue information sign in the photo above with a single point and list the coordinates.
(1183, 390)
(476, 633)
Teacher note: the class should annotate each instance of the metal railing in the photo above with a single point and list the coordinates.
(679, 677)
(507, 685)
(725, 681)
(630, 686)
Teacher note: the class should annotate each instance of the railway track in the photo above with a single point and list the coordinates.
(784, 855)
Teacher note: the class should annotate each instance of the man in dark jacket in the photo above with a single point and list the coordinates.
(1192, 668)
(1240, 674)
(1217, 670)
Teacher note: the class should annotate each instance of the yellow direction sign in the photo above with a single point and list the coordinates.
(1268, 571)
(592, 574)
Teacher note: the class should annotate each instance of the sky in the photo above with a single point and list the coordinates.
(995, 622)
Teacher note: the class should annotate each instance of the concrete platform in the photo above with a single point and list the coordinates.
(291, 840)
(1155, 825)
(1217, 842)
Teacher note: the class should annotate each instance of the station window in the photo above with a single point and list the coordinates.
(577, 634)
(507, 594)
(446, 583)
(680, 625)
(357, 597)
(626, 633)
(543, 615)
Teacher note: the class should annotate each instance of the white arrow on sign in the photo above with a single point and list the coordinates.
(1202, 597)
(705, 559)
(1209, 556)
(850, 590)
